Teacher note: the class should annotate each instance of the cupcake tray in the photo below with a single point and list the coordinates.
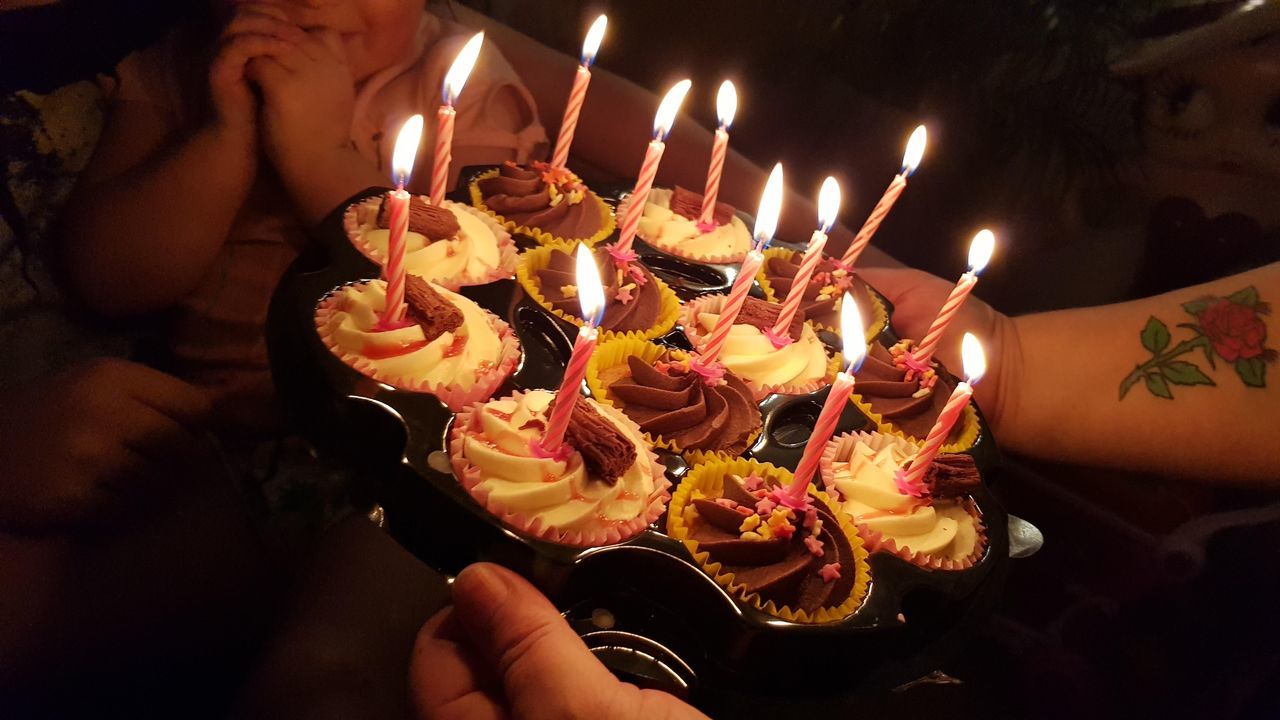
(643, 605)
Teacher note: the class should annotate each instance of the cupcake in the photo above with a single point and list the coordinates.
(799, 366)
(550, 205)
(636, 302)
(903, 402)
(821, 300)
(804, 566)
(680, 409)
(936, 527)
(607, 487)
(447, 345)
(451, 245)
(670, 224)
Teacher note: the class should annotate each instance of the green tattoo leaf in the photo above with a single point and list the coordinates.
(1158, 387)
(1129, 382)
(1180, 372)
(1155, 336)
(1195, 307)
(1247, 296)
(1253, 371)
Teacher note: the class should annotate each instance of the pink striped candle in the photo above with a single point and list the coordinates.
(828, 211)
(979, 254)
(591, 298)
(855, 351)
(402, 157)
(649, 168)
(975, 364)
(726, 107)
(454, 80)
(732, 305)
(578, 93)
(910, 161)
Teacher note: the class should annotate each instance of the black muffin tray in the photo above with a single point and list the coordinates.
(643, 605)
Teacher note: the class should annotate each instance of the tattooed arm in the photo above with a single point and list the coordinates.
(1182, 384)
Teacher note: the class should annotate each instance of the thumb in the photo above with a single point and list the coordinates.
(540, 660)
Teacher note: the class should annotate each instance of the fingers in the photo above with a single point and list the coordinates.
(228, 68)
(446, 678)
(896, 283)
(261, 24)
(332, 43)
(538, 657)
(182, 402)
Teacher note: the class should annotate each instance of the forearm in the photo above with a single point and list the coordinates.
(142, 241)
(1178, 411)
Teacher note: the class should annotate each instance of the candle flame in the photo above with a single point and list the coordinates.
(591, 45)
(406, 150)
(851, 334)
(671, 102)
(590, 291)
(973, 358)
(828, 204)
(915, 151)
(460, 70)
(726, 103)
(980, 249)
(770, 208)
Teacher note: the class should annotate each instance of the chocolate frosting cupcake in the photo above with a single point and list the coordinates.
(632, 300)
(804, 562)
(821, 301)
(883, 386)
(670, 400)
(537, 196)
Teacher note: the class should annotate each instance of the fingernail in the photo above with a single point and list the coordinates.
(480, 584)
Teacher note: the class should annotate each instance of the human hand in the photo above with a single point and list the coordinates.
(255, 29)
(917, 297)
(308, 101)
(95, 442)
(502, 650)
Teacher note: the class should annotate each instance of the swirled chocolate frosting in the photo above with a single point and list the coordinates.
(804, 562)
(536, 196)
(821, 301)
(884, 386)
(631, 296)
(668, 399)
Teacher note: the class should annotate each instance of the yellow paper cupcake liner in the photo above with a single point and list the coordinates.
(708, 478)
(970, 428)
(713, 303)
(541, 236)
(615, 352)
(874, 325)
(531, 261)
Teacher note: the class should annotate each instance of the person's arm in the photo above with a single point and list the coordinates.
(617, 120)
(1183, 384)
(152, 209)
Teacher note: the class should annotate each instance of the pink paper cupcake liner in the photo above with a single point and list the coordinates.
(453, 395)
(363, 213)
(469, 477)
(714, 258)
(712, 303)
(838, 448)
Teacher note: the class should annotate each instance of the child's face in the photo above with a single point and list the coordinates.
(377, 33)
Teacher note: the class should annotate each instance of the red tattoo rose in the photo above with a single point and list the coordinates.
(1235, 330)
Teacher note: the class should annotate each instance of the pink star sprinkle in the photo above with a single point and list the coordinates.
(624, 294)
(830, 572)
(752, 482)
(810, 517)
(765, 506)
(815, 546)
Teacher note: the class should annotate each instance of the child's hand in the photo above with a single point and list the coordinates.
(255, 29)
(95, 442)
(308, 99)
(916, 298)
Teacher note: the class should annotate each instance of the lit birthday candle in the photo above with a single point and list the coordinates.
(454, 80)
(726, 108)
(581, 80)
(591, 300)
(975, 364)
(398, 219)
(980, 250)
(662, 122)
(828, 211)
(910, 161)
(855, 351)
(766, 224)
